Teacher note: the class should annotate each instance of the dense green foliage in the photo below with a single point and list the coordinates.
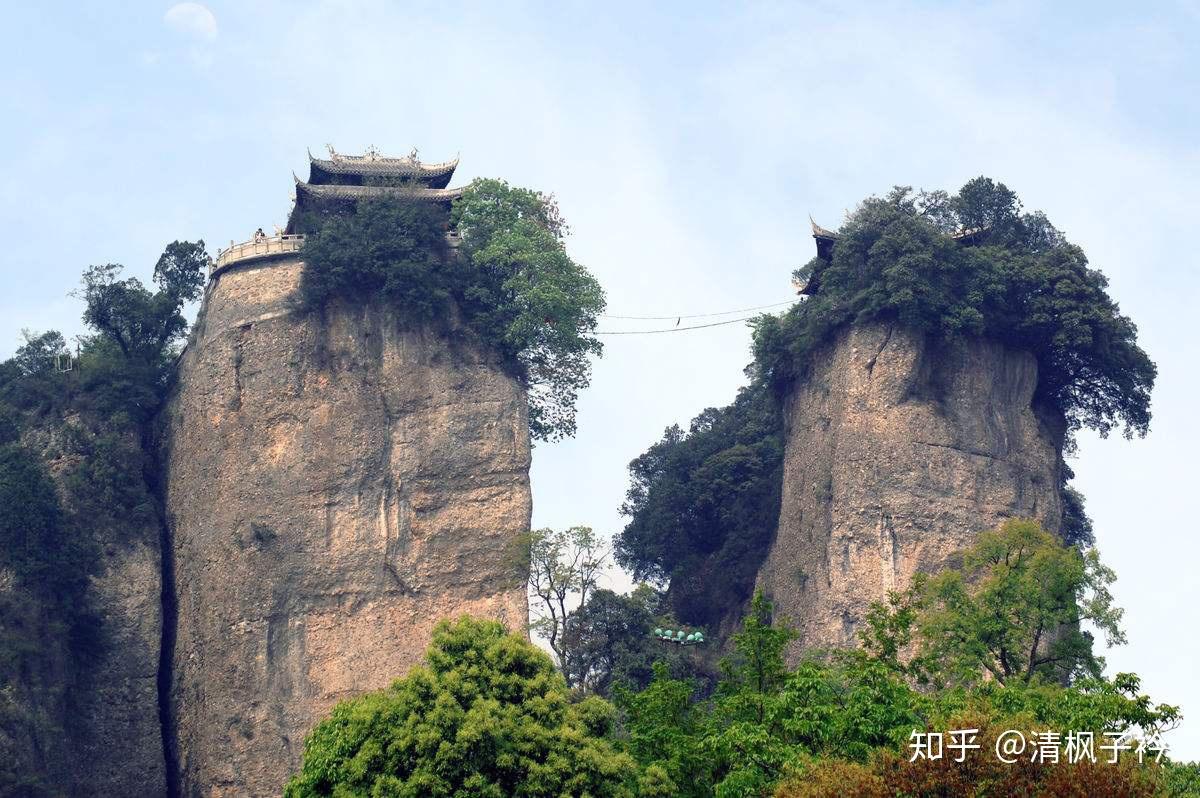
(1016, 607)
(609, 642)
(1013, 278)
(511, 281)
(840, 724)
(396, 250)
(703, 506)
(488, 715)
(78, 471)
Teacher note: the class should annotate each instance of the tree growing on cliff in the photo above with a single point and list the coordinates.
(129, 360)
(703, 505)
(487, 715)
(511, 281)
(527, 295)
(389, 248)
(1013, 610)
(974, 264)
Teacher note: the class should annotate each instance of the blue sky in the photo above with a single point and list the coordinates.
(687, 144)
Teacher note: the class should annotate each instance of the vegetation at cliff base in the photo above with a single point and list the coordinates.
(489, 715)
(598, 637)
(78, 471)
(1022, 598)
(510, 281)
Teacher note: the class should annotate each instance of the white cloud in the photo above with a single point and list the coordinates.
(192, 19)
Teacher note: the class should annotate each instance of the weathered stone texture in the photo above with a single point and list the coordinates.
(87, 723)
(116, 722)
(899, 451)
(338, 483)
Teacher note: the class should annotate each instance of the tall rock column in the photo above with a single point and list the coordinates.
(338, 483)
(899, 451)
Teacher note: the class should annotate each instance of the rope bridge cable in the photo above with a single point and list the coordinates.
(699, 315)
(673, 329)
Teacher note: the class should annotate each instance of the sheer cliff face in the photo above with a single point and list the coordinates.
(338, 483)
(898, 453)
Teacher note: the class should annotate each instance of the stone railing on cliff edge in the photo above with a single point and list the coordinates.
(268, 247)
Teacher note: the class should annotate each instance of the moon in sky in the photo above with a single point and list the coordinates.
(192, 19)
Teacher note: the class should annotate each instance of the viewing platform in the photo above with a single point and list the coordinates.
(269, 247)
(262, 248)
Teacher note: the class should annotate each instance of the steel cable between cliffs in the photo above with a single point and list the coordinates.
(698, 315)
(679, 317)
(674, 329)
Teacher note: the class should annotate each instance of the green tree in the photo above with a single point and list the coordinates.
(527, 295)
(33, 540)
(144, 323)
(563, 570)
(39, 353)
(391, 248)
(1015, 609)
(746, 736)
(611, 642)
(665, 732)
(488, 715)
(704, 504)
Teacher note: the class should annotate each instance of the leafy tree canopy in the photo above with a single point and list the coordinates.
(511, 281)
(1008, 275)
(611, 642)
(703, 506)
(1012, 611)
(528, 295)
(144, 324)
(488, 715)
(839, 724)
(563, 569)
(396, 249)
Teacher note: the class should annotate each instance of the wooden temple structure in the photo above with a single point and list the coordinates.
(825, 239)
(336, 184)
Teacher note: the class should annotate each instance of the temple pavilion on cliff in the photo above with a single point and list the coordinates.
(335, 185)
(825, 240)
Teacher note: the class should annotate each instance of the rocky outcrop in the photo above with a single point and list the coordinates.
(899, 450)
(338, 482)
(80, 717)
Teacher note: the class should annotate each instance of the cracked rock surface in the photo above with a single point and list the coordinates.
(338, 483)
(899, 451)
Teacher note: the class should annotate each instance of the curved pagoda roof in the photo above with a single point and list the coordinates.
(820, 232)
(825, 238)
(352, 192)
(354, 169)
(337, 183)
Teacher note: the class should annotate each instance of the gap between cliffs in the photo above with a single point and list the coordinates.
(153, 473)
